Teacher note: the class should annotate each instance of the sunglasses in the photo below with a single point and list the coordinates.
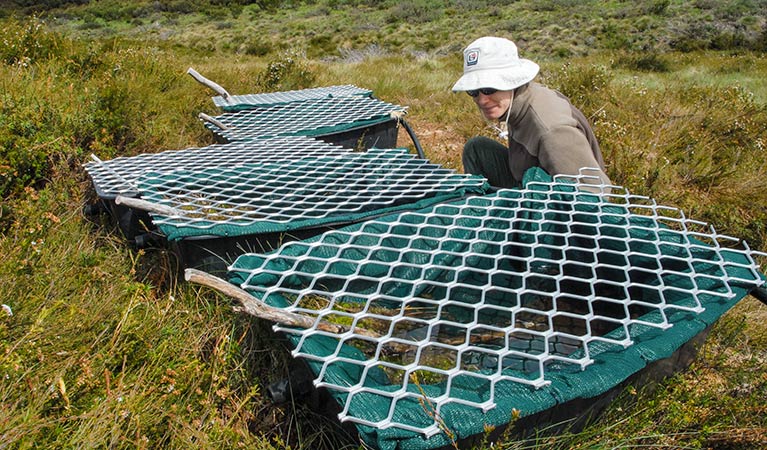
(485, 91)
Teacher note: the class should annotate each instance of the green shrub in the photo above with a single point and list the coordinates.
(581, 83)
(728, 40)
(177, 6)
(26, 145)
(554, 5)
(615, 36)
(643, 62)
(90, 24)
(657, 7)
(290, 72)
(474, 5)
(255, 46)
(416, 11)
(715, 35)
(337, 4)
(92, 98)
(321, 45)
(698, 148)
(35, 6)
(761, 42)
(28, 41)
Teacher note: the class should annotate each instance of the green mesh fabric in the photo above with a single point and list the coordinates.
(657, 335)
(252, 199)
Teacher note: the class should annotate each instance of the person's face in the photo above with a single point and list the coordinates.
(495, 105)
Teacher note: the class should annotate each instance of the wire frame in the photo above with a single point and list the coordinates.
(452, 306)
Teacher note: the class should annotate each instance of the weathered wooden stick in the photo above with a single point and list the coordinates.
(206, 82)
(144, 205)
(212, 120)
(257, 308)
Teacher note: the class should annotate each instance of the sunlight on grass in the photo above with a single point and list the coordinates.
(716, 70)
(106, 348)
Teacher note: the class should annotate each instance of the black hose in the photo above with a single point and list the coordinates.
(413, 138)
(760, 294)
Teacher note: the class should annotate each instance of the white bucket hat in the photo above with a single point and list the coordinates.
(492, 62)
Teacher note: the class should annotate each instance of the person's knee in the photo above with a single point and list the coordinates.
(471, 158)
(475, 153)
(488, 158)
(477, 143)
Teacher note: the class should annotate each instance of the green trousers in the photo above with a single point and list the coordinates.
(489, 158)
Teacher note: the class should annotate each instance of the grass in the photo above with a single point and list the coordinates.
(105, 348)
(331, 28)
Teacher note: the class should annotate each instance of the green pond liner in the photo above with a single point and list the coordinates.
(324, 117)
(277, 197)
(121, 176)
(510, 303)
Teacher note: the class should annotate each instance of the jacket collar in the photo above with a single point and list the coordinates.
(519, 105)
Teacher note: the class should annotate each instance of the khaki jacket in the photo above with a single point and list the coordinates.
(546, 130)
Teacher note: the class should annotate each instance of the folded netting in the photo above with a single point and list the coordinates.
(462, 314)
(270, 197)
(313, 117)
(234, 103)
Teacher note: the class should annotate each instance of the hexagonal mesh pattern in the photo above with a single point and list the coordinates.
(304, 192)
(455, 306)
(120, 175)
(315, 117)
(248, 101)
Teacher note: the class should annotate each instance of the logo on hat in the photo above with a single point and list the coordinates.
(472, 57)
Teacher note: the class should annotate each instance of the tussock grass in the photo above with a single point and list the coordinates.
(93, 355)
(328, 28)
(106, 349)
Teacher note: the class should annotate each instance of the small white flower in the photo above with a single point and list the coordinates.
(7, 309)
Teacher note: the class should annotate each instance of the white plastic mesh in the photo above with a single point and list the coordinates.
(308, 118)
(301, 190)
(495, 288)
(271, 98)
(120, 175)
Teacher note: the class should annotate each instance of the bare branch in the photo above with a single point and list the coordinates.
(255, 307)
